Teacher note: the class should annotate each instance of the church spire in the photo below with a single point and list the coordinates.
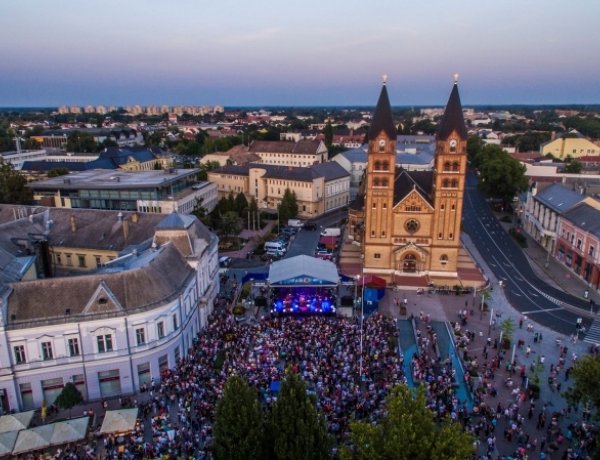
(382, 117)
(453, 116)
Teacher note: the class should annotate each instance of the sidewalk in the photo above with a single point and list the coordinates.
(554, 272)
(253, 238)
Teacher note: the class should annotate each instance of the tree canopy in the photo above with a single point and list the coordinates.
(68, 397)
(585, 389)
(239, 425)
(13, 186)
(409, 431)
(288, 209)
(297, 430)
(501, 176)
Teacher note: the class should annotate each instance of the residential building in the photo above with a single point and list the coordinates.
(109, 331)
(285, 153)
(408, 223)
(572, 144)
(413, 152)
(578, 242)
(319, 188)
(172, 190)
(543, 209)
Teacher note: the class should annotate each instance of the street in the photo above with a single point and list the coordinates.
(527, 293)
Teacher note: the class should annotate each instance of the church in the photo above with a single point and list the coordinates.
(408, 223)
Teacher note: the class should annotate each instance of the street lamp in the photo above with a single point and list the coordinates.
(362, 316)
(278, 206)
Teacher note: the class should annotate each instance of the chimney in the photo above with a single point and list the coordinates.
(73, 224)
(125, 229)
(135, 217)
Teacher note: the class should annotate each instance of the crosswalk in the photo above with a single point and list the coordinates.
(593, 334)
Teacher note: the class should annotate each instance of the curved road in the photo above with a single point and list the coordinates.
(529, 294)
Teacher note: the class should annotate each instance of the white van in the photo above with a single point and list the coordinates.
(275, 248)
(224, 264)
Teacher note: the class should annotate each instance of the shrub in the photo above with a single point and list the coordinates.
(519, 237)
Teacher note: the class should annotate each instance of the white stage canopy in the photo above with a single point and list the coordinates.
(303, 271)
(119, 421)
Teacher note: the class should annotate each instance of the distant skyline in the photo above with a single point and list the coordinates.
(310, 53)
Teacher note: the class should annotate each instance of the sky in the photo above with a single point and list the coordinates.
(297, 53)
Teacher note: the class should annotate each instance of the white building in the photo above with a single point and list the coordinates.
(111, 330)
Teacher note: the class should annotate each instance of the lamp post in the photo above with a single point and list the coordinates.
(278, 206)
(362, 316)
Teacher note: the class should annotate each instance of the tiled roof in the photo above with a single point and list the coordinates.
(382, 117)
(304, 146)
(330, 170)
(558, 198)
(586, 217)
(453, 119)
(406, 181)
(158, 281)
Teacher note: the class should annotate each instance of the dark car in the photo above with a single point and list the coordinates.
(311, 227)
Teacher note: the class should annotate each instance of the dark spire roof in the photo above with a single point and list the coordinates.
(382, 118)
(453, 117)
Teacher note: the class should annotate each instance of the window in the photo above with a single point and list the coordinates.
(578, 244)
(455, 166)
(98, 261)
(377, 165)
(447, 166)
(377, 256)
(445, 183)
(69, 262)
(20, 354)
(104, 343)
(58, 259)
(73, 345)
(175, 325)
(160, 328)
(443, 259)
(140, 336)
(411, 225)
(47, 351)
(81, 260)
(591, 251)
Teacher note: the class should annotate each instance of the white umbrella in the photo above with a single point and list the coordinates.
(7, 442)
(69, 431)
(119, 421)
(33, 439)
(15, 422)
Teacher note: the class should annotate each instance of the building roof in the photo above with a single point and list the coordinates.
(585, 217)
(406, 181)
(330, 171)
(304, 146)
(453, 119)
(382, 117)
(559, 198)
(160, 280)
(303, 266)
(113, 179)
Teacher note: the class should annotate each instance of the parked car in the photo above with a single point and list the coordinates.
(311, 227)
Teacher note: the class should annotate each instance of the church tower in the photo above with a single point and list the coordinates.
(450, 165)
(379, 200)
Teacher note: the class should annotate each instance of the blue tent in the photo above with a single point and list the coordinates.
(371, 297)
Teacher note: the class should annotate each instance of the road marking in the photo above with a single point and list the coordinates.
(516, 293)
(545, 310)
(593, 334)
(533, 294)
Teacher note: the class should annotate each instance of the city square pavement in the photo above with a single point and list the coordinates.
(486, 324)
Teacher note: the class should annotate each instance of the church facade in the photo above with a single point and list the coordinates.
(409, 222)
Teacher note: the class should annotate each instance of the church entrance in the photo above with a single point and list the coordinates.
(409, 264)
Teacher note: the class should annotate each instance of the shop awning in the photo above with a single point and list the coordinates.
(371, 281)
(119, 421)
(15, 422)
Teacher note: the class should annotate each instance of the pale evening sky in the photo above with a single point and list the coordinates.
(326, 52)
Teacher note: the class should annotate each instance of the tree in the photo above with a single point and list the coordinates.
(501, 175)
(58, 172)
(239, 422)
(200, 211)
(230, 224)
(288, 209)
(13, 186)
(81, 142)
(241, 204)
(205, 168)
(408, 432)
(328, 134)
(297, 431)
(573, 166)
(585, 389)
(68, 397)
